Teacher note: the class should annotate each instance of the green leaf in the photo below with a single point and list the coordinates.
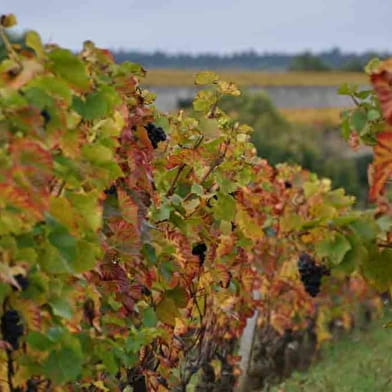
(197, 189)
(69, 67)
(5, 290)
(179, 296)
(63, 365)
(346, 89)
(33, 41)
(51, 260)
(167, 311)
(127, 68)
(334, 248)
(61, 239)
(149, 318)
(384, 223)
(364, 94)
(204, 101)
(88, 206)
(163, 213)
(373, 115)
(38, 97)
(149, 253)
(206, 77)
(372, 65)
(61, 307)
(56, 333)
(97, 153)
(365, 228)
(97, 104)
(54, 87)
(345, 125)
(355, 257)
(38, 341)
(377, 269)
(358, 120)
(87, 256)
(108, 360)
(224, 208)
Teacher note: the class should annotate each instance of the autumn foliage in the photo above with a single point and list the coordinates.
(131, 263)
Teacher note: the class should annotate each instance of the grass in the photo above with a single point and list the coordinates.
(182, 78)
(361, 362)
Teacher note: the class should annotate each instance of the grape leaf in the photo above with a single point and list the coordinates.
(167, 311)
(63, 365)
(69, 67)
(206, 77)
(334, 248)
(382, 164)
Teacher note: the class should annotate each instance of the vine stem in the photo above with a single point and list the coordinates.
(181, 168)
(216, 163)
(9, 47)
(10, 365)
(174, 183)
(10, 370)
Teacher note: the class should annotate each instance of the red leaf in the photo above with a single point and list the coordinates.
(382, 164)
(381, 79)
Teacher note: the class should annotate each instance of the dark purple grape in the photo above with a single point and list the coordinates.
(111, 191)
(12, 328)
(146, 291)
(22, 280)
(46, 116)
(311, 274)
(200, 250)
(155, 134)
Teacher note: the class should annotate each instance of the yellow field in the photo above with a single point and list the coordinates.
(313, 116)
(181, 78)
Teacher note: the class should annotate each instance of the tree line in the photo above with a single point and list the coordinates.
(333, 59)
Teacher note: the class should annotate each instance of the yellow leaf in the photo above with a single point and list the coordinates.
(101, 385)
(61, 209)
(33, 41)
(228, 88)
(8, 20)
(248, 225)
(206, 77)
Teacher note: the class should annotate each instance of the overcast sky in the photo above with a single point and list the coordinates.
(210, 25)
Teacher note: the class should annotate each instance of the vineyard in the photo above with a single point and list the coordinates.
(136, 244)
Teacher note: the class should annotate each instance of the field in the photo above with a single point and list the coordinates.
(313, 116)
(181, 78)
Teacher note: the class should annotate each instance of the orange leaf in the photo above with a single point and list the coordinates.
(382, 165)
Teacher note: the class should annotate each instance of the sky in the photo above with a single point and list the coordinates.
(219, 26)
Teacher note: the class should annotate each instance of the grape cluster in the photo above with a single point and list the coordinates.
(155, 134)
(200, 250)
(139, 384)
(311, 274)
(12, 328)
(111, 191)
(22, 280)
(46, 116)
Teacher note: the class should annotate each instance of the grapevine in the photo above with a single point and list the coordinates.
(132, 241)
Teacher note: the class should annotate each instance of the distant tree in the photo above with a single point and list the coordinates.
(307, 62)
(353, 65)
